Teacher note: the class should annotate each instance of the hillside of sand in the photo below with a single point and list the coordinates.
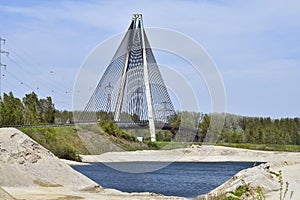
(29, 171)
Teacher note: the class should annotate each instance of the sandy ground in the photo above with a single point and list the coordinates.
(64, 193)
(29, 171)
(290, 174)
(4, 195)
(263, 176)
(195, 153)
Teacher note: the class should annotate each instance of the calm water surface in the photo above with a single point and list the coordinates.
(185, 179)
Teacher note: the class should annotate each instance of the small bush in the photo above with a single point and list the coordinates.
(165, 136)
(68, 153)
(152, 145)
(111, 129)
(241, 190)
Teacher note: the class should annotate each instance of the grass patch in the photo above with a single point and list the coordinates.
(63, 142)
(110, 128)
(123, 139)
(221, 196)
(162, 144)
(175, 145)
(264, 147)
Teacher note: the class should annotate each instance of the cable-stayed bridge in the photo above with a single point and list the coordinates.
(131, 91)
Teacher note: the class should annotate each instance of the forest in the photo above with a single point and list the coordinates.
(254, 130)
(32, 110)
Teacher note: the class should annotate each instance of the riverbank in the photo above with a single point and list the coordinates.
(195, 153)
(271, 181)
(29, 171)
(278, 176)
(65, 193)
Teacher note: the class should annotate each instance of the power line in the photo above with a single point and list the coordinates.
(43, 82)
(2, 65)
(36, 82)
(43, 77)
(20, 81)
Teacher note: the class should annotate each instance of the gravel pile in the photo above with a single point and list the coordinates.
(23, 162)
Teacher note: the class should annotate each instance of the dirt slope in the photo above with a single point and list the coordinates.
(23, 162)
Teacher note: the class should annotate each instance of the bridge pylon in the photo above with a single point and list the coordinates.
(139, 95)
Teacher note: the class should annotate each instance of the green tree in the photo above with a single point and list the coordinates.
(46, 110)
(203, 127)
(11, 110)
(32, 109)
(174, 121)
(63, 117)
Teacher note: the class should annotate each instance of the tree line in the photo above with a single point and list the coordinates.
(30, 110)
(254, 130)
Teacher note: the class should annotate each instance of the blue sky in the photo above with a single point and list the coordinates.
(255, 45)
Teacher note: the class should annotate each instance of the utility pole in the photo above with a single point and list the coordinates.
(2, 65)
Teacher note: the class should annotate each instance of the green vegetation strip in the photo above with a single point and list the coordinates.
(64, 142)
(263, 147)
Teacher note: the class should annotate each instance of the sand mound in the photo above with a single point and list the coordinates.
(23, 162)
(266, 177)
(4, 195)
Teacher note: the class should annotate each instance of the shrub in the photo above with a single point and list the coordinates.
(111, 129)
(68, 153)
